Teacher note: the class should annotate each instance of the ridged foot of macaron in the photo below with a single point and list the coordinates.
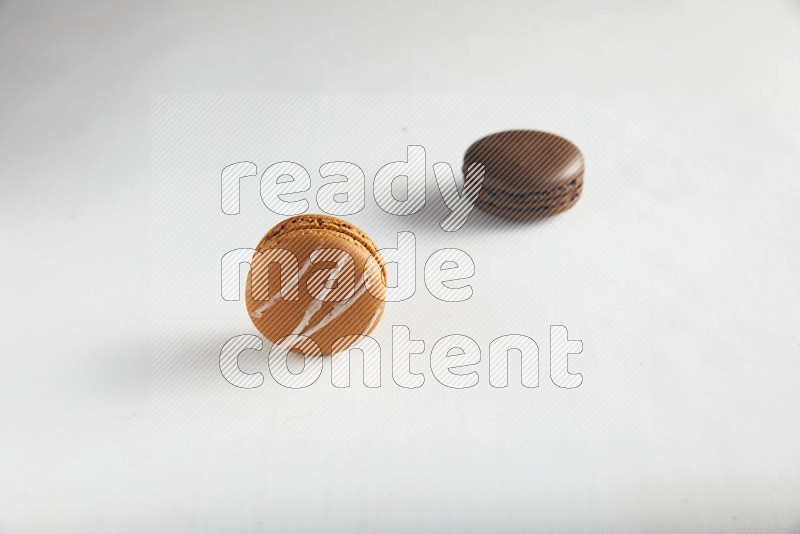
(525, 211)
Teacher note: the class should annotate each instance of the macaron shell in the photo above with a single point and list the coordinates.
(306, 222)
(524, 161)
(323, 314)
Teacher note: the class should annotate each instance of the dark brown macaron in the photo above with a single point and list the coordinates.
(528, 174)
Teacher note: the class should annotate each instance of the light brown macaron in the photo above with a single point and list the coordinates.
(319, 277)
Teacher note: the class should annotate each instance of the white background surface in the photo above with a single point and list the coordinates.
(588, 271)
(713, 444)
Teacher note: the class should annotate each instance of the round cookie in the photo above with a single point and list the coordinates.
(528, 174)
(308, 277)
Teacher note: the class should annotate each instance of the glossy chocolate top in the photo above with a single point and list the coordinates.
(526, 161)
